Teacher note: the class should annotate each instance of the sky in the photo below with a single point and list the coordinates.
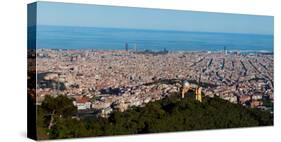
(66, 14)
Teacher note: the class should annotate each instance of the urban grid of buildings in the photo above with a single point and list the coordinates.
(117, 80)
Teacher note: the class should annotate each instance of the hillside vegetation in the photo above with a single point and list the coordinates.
(166, 115)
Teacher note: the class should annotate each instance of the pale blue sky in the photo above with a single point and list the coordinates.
(65, 14)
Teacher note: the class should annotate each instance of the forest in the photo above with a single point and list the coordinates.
(55, 118)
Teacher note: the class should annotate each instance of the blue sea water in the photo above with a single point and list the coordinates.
(62, 37)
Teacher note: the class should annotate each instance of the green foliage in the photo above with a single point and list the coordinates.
(54, 112)
(166, 115)
(41, 124)
(267, 103)
(61, 105)
(73, 129)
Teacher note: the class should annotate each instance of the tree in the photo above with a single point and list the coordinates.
(167, 115)
(56, 107)
(68, 128)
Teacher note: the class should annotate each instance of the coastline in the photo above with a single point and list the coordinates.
(181, 51)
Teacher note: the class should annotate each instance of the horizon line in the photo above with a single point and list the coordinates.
(168, 30)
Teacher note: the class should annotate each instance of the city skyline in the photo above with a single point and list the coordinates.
(90, 82)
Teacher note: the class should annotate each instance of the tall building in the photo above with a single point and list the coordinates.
(225, 50)
(126, 46)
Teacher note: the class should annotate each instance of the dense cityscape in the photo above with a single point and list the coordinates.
(104, 81)
(96, 70)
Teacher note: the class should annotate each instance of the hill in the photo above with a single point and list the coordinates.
(167, 115)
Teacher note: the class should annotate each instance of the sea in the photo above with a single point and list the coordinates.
(66, 37)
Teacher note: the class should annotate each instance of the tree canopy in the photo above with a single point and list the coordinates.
(167, 115)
